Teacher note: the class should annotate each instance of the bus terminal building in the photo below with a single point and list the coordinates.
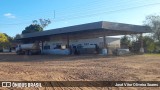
(90, 38)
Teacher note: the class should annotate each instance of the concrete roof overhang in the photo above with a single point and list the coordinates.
(90, 30)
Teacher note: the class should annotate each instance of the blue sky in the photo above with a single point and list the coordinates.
(15, 15)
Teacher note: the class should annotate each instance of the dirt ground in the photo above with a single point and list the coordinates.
(80, 68)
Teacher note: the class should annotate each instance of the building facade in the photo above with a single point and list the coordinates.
(83, 46)
(84, 38)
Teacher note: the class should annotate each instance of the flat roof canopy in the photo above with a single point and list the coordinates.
(96, 29)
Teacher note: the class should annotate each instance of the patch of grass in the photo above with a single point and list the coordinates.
(152, 54)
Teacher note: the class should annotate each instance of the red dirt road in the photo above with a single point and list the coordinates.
(80, 68)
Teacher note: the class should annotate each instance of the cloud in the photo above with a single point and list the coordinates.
(9, 15)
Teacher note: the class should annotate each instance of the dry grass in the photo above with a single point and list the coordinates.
(71, 68)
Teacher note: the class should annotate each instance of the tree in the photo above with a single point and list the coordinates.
(157, 47)
(32, 28)
(42, 22)
(10, 39)
(149, 44)
(3, 41)
(15, 40)
(125, 42)
(153, 21)
(3, 38)
(17, 36)
(36, 26)
(135, 37)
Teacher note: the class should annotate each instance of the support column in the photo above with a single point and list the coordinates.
(42, 46)
(68, 47)
(67, 41)
(104, 50)
(141, 42)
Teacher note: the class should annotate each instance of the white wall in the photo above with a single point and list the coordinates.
(86, 43)
(53, 44)
(5, 50)
(98, 41)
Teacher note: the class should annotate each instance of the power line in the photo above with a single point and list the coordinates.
(117, 4)
(107, 12)
(74, 9)
(88, 10)
(100, 6)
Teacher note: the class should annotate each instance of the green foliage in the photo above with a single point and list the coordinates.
(125, 41)
(135, 37)
(10, 39)
(15, 39)
(151, 47)
(32, 28)
(149, 43)
(157, 47)
(3, 38)
(152, 42)
(17, 36)
(133, 43)
(3, 41)
(42, 22)
(153, 21)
